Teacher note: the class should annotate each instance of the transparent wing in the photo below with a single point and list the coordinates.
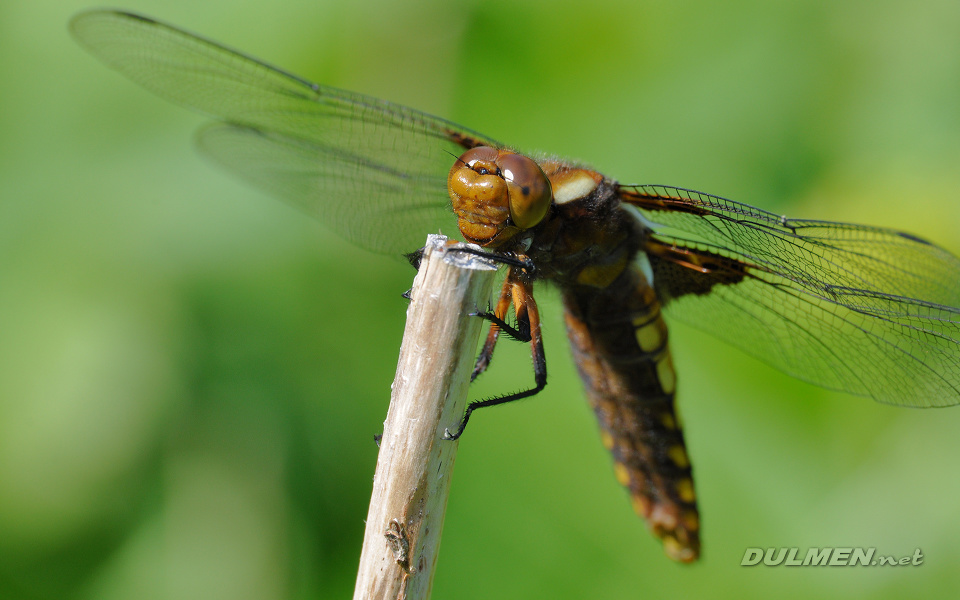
(865, 310)
(335, 187)
(382, 159)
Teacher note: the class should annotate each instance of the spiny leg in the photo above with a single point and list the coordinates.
(497, 323)
(520, 333)
(528, 320)
(511, 260)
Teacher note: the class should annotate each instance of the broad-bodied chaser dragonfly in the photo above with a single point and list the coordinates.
(864, 310)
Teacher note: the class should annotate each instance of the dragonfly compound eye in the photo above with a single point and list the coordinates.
(496, 194)
(530, 193)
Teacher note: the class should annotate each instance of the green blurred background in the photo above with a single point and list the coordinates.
(191, 373)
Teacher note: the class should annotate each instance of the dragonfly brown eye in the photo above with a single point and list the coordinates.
(530, 193)
(497, 193)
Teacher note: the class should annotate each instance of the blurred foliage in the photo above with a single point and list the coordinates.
(191, 374)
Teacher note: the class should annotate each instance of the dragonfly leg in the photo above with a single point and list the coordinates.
(528, 320)
(497, 324)
(520, 262)
(520, 333)
(517, 261)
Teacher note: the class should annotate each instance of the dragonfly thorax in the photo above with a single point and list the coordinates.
(497, 194)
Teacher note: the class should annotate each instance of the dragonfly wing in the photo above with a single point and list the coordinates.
(865, 310)
(367, 203)
(333, 124)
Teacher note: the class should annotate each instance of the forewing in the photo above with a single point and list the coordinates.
(351, 196)
(278, 115)
(865, 310)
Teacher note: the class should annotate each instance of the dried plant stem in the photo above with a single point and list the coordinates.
(412, 479)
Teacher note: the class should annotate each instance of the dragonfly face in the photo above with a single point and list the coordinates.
(860, 309)
(496, 194)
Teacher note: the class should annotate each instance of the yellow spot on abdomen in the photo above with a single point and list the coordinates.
(679, 456)
(607, 440)
(601, 275)
(677, 550)
(666, 375)
(622, 474)
(668, 422)
(684, 489)
(651, 336)
(641, 505)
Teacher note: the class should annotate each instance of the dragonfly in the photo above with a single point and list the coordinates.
(864, 310)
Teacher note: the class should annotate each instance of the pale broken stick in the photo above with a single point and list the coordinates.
(415, 463)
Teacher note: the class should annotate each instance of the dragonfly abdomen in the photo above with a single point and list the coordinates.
(619, 343)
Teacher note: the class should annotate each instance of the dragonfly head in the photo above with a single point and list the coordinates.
(497, 194)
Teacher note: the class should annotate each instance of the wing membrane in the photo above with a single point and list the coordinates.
(865, 310)
(335, 187)
(279, 114)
